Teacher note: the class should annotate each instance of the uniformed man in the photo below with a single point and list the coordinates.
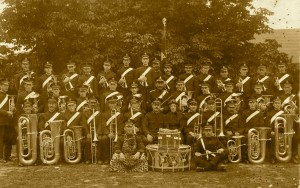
(89, 80)
(125, 75)
(209, 152)
(153, 121)
(220, 81)
(264, 79)
(243, 81)
(82, 100)
(170, 80)
(205, 93)
(70, 80)
(112, 85)
(156, 69)
(204, 75)
(144, 75)
(44, 81)
(281, 77)
(180, 96)
(134, 89)
(190, 80)
(24, 74)
(104, 76)
(27, 94)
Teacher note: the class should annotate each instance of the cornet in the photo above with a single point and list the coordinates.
(68, 86)
(104, 83)
(62, 104)
(221, 85)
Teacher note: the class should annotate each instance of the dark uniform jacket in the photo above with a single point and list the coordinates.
(170, 82)
(129, 77)
(93, 89)
(207, 78)
(162, 94)
(107, 75)
(191, 84)
(105, 128)
(211, 144)
(150, 76)
(267, 84)
(19, 77)
(174, 120)
(190, 121)
(256, 121)
(4, 118)
(152, 122)
(45, 117)
(137, 118)
(72, 93)
(232, 122)
(247, 86)
(78, 120)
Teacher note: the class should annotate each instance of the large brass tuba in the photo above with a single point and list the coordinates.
(27, 138)
(257, 138)
(235, 149)
(50, 143)
(219, 108)
(72, 144)
(283, 137)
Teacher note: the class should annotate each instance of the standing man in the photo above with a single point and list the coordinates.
(190, 80)
(125, 75)
(70, 80)
(243, 81)
(89, 80)
(170, 80)
(204, 76)
(26, 73)
(281, 77)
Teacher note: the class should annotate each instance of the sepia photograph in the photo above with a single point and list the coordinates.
(150, 93)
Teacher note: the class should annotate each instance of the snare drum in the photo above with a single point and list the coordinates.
(169, 159)
(169, 139)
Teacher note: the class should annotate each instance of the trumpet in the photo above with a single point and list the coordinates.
(50, 143)
(68, 86)
(235, 149)
(257, 138)
(218, 103)
(104, 83)
(221, 85)
(72, 144)
(94, 139)
(283, 137)
(27, 139)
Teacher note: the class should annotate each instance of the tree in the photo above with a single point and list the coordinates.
(93, 30)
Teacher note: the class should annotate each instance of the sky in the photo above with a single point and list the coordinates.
(286, 12)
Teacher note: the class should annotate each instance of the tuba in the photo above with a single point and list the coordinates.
(235, 149)
(283, 137)
(72, 144)
(257, 138)
(218, 103)
(50, 143)
(94, 139)
(27, 138)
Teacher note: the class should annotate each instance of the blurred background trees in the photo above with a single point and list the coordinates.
(218, 31)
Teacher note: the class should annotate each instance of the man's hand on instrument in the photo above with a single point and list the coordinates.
(229, 133)
(137, 155)
(111, 135)
(142, 78)
(122, 156)
(198, 154)
(221, 150)
(67, 79)
(149, 138)
(10, 114)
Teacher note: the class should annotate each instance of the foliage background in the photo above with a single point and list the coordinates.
(84, 31)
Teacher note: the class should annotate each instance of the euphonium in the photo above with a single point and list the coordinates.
(94, 139)
(283, 137)
(27, 139)
(50, 143)
(218, 103)
(72, 144)
(235, 149)
(257, 138)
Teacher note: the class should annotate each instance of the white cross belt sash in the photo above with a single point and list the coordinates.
(3, 102)
(203, 101)
(73, 76)
(112, 117)
(192, 118)
(88, 81)
(213, 116)
(125, 72)
(168, 81)
(245, 80)
(52, 118)
(135, 115)
(283, 78)
(30, 95)
(251, 116)
(163, 94)
(288, 99)
(263, 79)
(188, 78)
(207, 78)
(24, 77)
(275, 116)
(112, 94)
(81, 105)
(227, 99)
(92, 116)
(46, 81)
(231, 118)
(72, 118)
(143, 75)
(179, 96)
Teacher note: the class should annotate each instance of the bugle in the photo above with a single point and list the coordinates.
(257, 138)
(283, 137)
(50, 143)
(72, 144)
(27, 139)
(234, 147)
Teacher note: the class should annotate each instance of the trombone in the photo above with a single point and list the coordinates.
(115, 124)
(94, 139)
(218, 103)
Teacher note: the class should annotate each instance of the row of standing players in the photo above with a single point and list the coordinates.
(140, 96)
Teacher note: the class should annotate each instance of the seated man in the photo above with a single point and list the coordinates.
(129, 152)
(209, 152)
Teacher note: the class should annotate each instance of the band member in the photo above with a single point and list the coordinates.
(287, 95)
(204, 75)
(70, 80)
(89, 80)
(44, 81)
(180, 96)
(270, 121)
(111, 128)
(92, 116)
(153, 121)
(193, 120)
(243, 81)
(229, 92)
(264, 79)
(129, 152)
(281, 77)
(205, 94)
(6, 115)
(82, 100)
(209, 152)
(220, 81)
(156, 69)
(189, 79)
(170, 79)
(134, 88)
(104, 76)
(27, 94)
(258, 89)
(160, 93)
(211, 113)
(26, 73)
(144, 75)
(112, 85)
(174, 119)
(125, 75)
